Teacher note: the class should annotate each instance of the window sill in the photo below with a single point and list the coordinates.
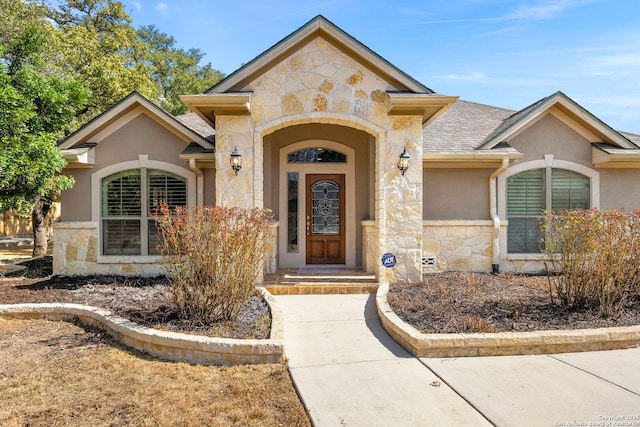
(129, 259)
(526, 257)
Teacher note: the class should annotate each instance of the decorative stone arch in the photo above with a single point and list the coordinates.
(372, 129)
(316, 117)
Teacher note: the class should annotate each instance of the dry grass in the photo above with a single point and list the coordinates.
(20, 251)
(59, 374)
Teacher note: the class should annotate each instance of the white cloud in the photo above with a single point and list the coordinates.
(618, 101)
(162, 7)
(543, 9)
(137, 6)
(621, 60)
(474, 76)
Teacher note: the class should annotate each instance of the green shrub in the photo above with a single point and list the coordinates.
(213, 256)
(593, 257)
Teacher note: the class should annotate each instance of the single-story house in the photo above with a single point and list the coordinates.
(357, 160)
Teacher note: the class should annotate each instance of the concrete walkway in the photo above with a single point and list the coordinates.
(349, 372)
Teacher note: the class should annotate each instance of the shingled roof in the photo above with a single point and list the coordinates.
(468, 127)
(463, 127)
(196, 124)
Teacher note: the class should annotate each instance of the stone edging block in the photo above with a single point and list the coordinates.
(501, 343)
(164, 344)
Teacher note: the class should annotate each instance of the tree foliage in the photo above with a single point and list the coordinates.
(97, 44)
(175, 71)
(34, 108)
(61, 66)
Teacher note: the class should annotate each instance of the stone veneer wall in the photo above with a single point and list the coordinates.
(76, 252)
(530, 264)
(458, 245)
(321, 84)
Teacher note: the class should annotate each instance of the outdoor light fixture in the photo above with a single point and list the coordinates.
(403, 161)
(236, 161)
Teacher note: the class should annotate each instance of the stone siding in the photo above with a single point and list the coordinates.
(321, 84)
(457, 246)
(76, 252)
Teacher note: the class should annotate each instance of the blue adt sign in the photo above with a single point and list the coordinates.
(389, 260)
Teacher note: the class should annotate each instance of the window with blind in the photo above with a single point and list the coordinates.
(531, 192)
(128, 208)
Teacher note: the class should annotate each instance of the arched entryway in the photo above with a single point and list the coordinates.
(319, 181)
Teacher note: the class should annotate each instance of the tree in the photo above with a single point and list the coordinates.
(174, 71)
(35, 107)
(96, 44)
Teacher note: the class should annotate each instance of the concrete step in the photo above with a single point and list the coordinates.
(311, 288)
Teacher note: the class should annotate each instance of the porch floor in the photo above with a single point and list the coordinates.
(321, 280)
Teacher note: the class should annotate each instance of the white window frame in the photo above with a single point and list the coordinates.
(548, 162)
(142, 162)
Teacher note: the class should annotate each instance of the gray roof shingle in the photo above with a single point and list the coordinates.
(463, 127)
(198, 125)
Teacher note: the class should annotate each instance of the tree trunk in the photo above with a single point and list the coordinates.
(39, 214)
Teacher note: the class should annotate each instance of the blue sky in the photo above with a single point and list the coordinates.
(507, 53)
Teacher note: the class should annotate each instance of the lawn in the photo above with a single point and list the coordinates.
(61, 374)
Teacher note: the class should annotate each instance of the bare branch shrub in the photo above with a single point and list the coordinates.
(213, 256)
(597, 253)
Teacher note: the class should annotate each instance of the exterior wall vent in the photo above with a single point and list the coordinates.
(429, 262)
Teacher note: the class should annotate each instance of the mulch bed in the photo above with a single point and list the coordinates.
(466, 302)
(144, 300)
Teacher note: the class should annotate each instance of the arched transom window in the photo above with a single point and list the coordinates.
(316, 155)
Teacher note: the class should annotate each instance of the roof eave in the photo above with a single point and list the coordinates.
(429, 106)
(208, 106)
(129, 103)
(602, 159)
(567, 106)
(479, 159)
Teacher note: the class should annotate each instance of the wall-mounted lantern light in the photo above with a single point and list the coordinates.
(403, 161)
(236, 161)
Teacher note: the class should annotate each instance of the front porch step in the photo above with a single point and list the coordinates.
(306, 281)
(305, 288)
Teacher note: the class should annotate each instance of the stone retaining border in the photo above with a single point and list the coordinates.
(502, 343)
(163, 344)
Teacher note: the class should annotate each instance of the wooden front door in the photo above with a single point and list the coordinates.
(325, 219)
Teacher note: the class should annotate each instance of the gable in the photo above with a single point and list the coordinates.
(551, 135)
(80, 147)
(142, 135)
(318, 27)
(124, 111)
(568, 111)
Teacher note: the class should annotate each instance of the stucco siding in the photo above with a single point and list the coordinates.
(76, 202)
(141, 135)
(209, 186)
(456, 194)
(549, 135)
(620, 189)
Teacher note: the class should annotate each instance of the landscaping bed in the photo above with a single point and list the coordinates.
(467, 302)
(144, 300)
